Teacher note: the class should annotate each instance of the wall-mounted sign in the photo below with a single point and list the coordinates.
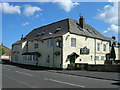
(84, 50)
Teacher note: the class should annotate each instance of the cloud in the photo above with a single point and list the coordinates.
(25, 23)
(30, 10)
(109, 14)
(9, 9)
(112, 29)
(66, 5)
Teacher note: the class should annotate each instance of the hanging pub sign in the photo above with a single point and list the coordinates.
(84, 50)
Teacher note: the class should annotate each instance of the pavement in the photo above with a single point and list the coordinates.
(92, 74)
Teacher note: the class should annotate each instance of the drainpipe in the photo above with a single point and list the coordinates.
(36, 60)
(95, 51)
(53, 52)
(61, 65)
(61, 53)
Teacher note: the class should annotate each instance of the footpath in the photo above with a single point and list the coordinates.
(91, 74)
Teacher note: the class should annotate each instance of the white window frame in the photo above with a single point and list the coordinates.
(102, 58)
(104, 47)
(73, 42)
(96, 57)
(98, 46)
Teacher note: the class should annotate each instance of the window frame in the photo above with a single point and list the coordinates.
(50, 42)
(104, 47)
(102, 57)
(36, 45)
(98, 46)
(96, 57)
(73, 42)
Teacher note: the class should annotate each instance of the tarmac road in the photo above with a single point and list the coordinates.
(17, 77)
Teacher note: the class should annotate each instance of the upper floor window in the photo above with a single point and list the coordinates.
(16, 47)
(50, 42)
(104, 47)
(98, 46)
(36, 45)
(73, 42)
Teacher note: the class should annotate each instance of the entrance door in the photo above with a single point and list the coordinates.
(72, 59)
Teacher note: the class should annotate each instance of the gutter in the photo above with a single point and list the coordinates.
(53, 51)
(61, 65)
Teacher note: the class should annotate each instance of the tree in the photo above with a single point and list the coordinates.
(2, 51)
(112, 53)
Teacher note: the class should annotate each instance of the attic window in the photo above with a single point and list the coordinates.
(40, 33)
(81, 28)
(50, 33)
(37, 35)
(90, 31)
(94, 32)
(59, 28)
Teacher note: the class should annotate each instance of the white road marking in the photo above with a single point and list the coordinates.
(6, 68)
(22, 82)
(65, 83)
(24, 73)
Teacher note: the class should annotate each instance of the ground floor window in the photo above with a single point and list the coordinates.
(16, 57)
(96, 57)
(30, 57)
(102, 57)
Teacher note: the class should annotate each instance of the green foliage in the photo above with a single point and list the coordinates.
(2, 51)
(112, 53)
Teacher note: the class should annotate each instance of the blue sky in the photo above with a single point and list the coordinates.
(20, 18)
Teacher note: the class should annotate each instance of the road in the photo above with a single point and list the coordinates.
(17, 77)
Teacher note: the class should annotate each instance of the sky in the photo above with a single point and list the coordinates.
(19, 18)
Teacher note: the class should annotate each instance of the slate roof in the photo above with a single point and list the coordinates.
(88, 30)
(60, 28)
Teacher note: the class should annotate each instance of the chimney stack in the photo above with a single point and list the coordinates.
(81, 21)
